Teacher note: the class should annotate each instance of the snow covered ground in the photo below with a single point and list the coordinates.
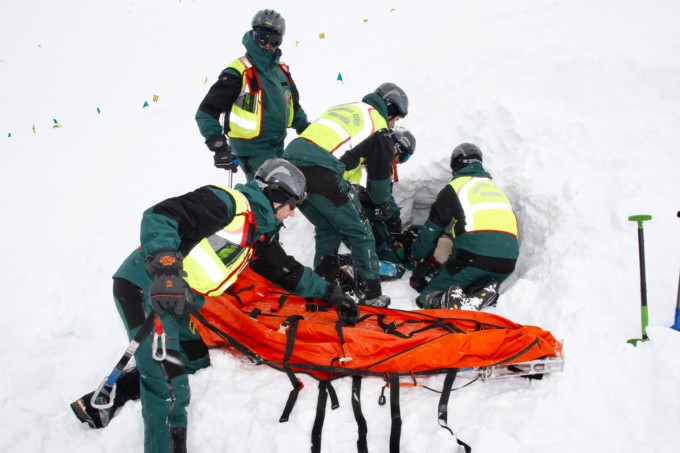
(575, 104)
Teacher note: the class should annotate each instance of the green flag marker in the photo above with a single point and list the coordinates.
(146, 104)
(339, 77)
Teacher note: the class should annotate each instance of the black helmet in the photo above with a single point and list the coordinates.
(281, 181)
(269, 19)
(405, 142)
(464, 154)
(393, 96)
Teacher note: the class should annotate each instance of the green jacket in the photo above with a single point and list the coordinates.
(445, 210)
(304, 153)
(277, 89)
(181, 222)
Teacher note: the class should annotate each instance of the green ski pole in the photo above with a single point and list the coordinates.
(640, 219)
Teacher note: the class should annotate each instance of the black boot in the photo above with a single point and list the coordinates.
(178, 436)
(329, 269)
(127, 388)
(369, 292)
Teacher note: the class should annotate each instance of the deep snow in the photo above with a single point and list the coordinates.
(575, 104)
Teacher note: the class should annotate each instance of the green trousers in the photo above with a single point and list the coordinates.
(250, 164)
(332, 223)
(164, 385)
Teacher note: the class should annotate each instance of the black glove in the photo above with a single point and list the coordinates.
(383, 213)
(418, 280)
(393, 225)
(223, 156)
(168, 289)
(347, 309)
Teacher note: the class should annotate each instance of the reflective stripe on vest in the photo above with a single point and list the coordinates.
(245, 118)
(486, 206)
(344, 126)
(216, 261)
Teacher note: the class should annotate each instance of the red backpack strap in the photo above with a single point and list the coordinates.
(286, 72)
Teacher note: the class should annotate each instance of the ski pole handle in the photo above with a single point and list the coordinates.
(640, 219)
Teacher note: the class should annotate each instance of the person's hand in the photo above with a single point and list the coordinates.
(223, 157)
(383, 213)
(168, 290)
(420, 271)
(347, 309)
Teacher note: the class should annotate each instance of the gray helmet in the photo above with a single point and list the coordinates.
(395, 96)
(270, 19)
(405, 141)
(281, 181)
(464, 154)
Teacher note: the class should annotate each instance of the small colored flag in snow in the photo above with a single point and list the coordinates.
(365, 20)
(56, 124)
(146, 104)
(33, 128)
(155, 98)
(322, 35)
(297, 43)
(9, 135)
(339, 77)
(99, 111)
(205, 80)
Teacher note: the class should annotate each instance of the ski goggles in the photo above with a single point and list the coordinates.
(293, 201)
(404, 155)
(264, 37)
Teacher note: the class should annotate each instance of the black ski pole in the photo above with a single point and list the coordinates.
(676, 324)
(640, 219)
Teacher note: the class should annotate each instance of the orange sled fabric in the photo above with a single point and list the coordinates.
(286, 331)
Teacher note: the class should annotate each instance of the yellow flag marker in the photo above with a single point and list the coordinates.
(365, 20)
(322, 35)
(155, 98)
(33, 128)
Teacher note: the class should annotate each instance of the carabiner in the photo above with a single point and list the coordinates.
(98, 393)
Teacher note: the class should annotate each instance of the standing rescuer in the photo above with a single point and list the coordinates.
(258, 97)
(332, 206)
(191, 246)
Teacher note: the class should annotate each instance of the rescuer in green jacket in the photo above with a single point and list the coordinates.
(258, 97)
(362, 130)
(195, 245)
(385, 218)
(485, 246)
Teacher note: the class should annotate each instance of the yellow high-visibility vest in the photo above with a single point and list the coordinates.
(245, 118)
(344, 126)
(215, 262)
(486, 206)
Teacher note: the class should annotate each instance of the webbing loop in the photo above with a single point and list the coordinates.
(362, 445)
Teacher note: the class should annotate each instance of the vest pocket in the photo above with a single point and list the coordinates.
(247, 102)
